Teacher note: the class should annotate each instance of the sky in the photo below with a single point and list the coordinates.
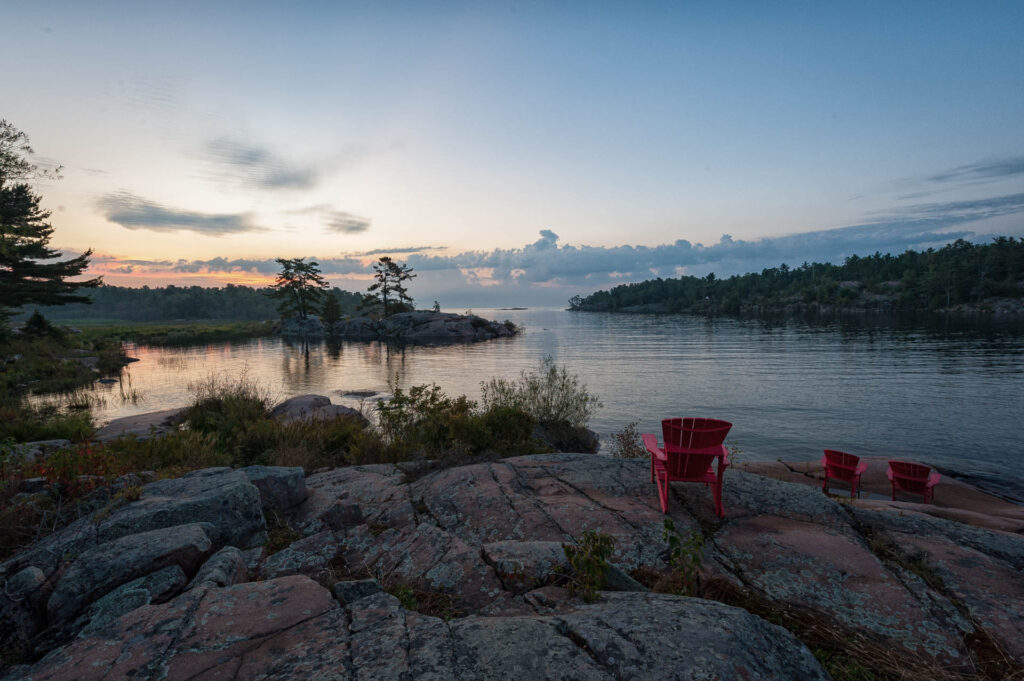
(515, 153)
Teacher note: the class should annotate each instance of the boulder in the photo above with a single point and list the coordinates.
(154, 588)
(280, 488)
(100, 570)
(30, 452)
(310, 556)
(313, 407)
(222, 497)
(224, 568)
(23, 605)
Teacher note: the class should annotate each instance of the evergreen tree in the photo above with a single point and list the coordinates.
(388, 290)
(299, 286)
(331, 311)
(25, 236)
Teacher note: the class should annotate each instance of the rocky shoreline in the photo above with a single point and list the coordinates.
(410, 327)
(399, 571)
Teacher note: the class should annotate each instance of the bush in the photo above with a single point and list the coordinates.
(588, 557)
(39, 327)
(24, 423)
(549, 393)
(626, 444)
(425, 421)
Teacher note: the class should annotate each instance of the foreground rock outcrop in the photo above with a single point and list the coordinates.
(394, 572)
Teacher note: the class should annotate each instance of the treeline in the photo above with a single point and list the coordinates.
(165, 303)
(960, 274)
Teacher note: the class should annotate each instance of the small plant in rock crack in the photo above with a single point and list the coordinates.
(588, 557)
(684, 556)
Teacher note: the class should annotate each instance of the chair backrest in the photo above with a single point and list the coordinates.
(686, 464)
(694, 433)
(840, 465)
(911, 477)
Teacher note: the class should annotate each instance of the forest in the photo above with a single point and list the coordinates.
(165, 303)
(960, 275)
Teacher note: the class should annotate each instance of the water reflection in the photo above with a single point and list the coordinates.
(947, 392)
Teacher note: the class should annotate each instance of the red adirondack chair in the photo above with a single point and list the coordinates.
(913, 478)
(842, 466)
(691, 447)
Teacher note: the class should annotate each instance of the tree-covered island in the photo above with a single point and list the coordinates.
(959, 277)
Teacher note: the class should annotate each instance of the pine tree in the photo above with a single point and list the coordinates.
(25, 236)
(331, 311)
(388, 287)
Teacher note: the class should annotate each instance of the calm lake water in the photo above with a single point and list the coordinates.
(945, 393)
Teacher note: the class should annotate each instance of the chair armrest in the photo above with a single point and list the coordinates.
(724, 461)
(824, 461)
(861, 468)
(933, 479)
(651, 443)
(888, 472)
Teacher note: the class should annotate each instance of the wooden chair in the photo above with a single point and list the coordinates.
(842, 466)
(691, 447)
(913, 478)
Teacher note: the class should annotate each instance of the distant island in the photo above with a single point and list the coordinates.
(961, 277)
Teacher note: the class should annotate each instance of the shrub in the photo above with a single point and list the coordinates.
(38, 326)
(684, 556)
(588, 557)
(626, 444)
(177, 451)
(549, 393)
(425, 421)
(24, 423)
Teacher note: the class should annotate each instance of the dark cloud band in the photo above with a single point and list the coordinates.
(134, 212)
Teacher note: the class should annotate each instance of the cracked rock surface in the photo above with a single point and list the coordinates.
(182, 585)
(291, 628)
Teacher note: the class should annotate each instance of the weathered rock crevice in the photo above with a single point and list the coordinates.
(481, 545)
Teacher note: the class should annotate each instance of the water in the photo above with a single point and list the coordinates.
(946, 394)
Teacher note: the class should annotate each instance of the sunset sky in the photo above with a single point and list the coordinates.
(515, 152)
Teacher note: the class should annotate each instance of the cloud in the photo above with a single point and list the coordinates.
(346, 223)
(407, 249)
(546, 270)
(259, 166)
(996, 169)
(265, 266)
(134, 212)
(334, 220)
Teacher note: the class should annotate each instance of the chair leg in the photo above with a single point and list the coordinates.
(663, 492)
(824, 485)
(716, 495)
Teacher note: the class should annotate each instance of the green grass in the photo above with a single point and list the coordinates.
(176, 333)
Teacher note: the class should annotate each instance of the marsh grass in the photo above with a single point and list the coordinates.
(177, 333)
